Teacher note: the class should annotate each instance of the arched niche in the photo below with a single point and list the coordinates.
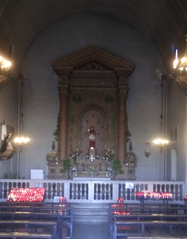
(92, 116)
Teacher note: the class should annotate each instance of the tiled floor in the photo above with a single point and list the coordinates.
(90, 231)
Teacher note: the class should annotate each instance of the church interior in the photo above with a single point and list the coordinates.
(94, 84)
(40, 37)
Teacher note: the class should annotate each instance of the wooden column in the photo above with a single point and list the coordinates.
(63, 123)
(122, 121)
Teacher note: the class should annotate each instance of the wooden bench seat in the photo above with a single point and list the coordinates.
(149, 210)
(147, 217)
(136, 210)
(25, 235)
(35, 204)
(34, 208)
(148, 204)
(34, 215)
(138, 217)
(62, 220)
(156, 237)
(14, 213)
(121, 228)
(28, 223)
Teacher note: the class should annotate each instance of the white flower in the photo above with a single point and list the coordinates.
(109, 169)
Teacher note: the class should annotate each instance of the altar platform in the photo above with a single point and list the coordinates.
(92, 179)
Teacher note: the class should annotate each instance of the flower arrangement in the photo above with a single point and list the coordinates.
(74, 154)
(74, 170)
(109, 169)
(92, 169)
(108, 155)
(97, 156)
(87, 156)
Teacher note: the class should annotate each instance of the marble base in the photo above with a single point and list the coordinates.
(93, 178)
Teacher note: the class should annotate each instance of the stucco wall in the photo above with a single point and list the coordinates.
(9, 114)
(117, 36)
(177, 118)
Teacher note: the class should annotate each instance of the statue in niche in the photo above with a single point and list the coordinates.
(91, 135)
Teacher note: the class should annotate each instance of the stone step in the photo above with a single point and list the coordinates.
(90, 212)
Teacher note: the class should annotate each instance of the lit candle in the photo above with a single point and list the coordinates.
(176, 54)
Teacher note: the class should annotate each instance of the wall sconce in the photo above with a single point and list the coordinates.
(4, 67)
(4, 71)
(21, 141)
(161, 143)
(147, 153)
(180, 69)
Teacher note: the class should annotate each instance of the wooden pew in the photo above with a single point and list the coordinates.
(37, 204)
(147, 210)
(147, 217)
(160, 217)
(37, 215)
(148, 204)
(60, 211)
(28, 224)
(34, 208)
(156, 237)
(14, 235)
(141, 225)
(62, 220)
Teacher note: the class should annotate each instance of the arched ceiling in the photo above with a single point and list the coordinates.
(21, 21)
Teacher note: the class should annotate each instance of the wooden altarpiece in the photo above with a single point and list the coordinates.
(93, 83)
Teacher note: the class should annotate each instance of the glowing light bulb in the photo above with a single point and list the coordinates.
(183, 59)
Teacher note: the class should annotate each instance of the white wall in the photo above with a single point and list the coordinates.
(68, 36)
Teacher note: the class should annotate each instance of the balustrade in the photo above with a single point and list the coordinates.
(93, 191)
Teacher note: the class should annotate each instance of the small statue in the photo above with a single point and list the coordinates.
(92, 134)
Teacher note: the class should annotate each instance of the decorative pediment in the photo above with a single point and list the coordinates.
(92, 66)
(93, 58)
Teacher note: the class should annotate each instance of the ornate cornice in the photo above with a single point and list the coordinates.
(63, 71)
(93, 66)
(93, 82)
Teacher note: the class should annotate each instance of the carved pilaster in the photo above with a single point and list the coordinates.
(122, 97)
(63, 92)
(122, 94)
(63, 116)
